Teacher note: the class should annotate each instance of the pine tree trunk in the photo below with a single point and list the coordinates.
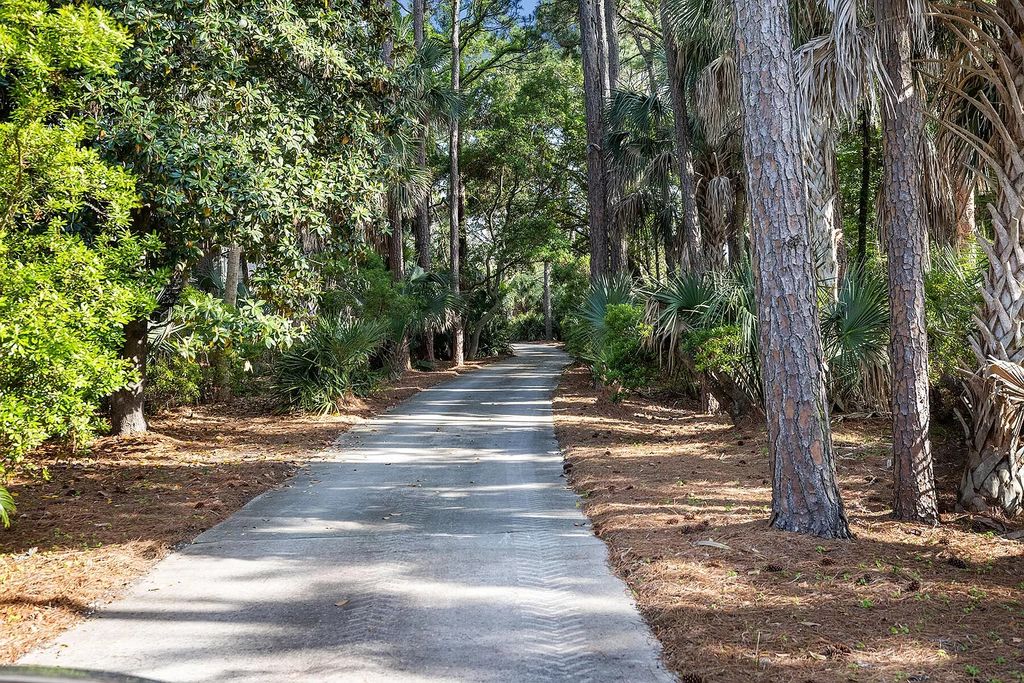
(688, 244)
(454, 193)
(906, 249)
(593, 87)
(548, 331)
(863, 204)
(400, 361)
(127, 415)
(805, 495)
(618, 250)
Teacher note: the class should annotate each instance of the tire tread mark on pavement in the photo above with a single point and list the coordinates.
(556, 642)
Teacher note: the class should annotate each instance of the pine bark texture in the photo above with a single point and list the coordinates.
(454, 194)
(593, 95)
(688, 242)
(907, 254)
(805, 495)
(127, 405)
(994, 475)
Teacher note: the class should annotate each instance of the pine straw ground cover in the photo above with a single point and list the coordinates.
(105, 518)
(903, 602)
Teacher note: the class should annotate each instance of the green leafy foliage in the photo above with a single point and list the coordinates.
(173, 381)
(855, 336)
(952, 296)
(527, 326)
(584, 328)
(72, 273)
(202, 324)
(62, 307)
(250, 122)
(715, 349)
(330, 364)
(622, 359)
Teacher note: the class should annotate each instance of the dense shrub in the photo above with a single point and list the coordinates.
(527, 326)
(330, 364)
(495, 337)
(173, 381)
(622, 359)
(952, 297)
(715, 349)
(62, 308)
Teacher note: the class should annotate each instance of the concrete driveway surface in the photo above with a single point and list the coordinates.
(438, 542)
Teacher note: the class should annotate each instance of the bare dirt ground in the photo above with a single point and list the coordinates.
(682, 501)
(103, 519)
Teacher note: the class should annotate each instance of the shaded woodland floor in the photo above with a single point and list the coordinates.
(104, 518)
(682, 500)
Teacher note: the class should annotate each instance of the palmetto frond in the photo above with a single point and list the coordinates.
(855, 336)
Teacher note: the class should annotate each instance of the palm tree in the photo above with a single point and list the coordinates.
(689, 244)
(454, 186)
(989, 78)
(805, 494)
(593, 87)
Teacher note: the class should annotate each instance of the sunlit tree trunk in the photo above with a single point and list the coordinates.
(548, 331)
(805, 495)
(127, 414)
(906, 249)
(688, 248)
(593, 87)
(822, 200)
(222, 365)
(994, 475)
(454, 184)
(422, 217)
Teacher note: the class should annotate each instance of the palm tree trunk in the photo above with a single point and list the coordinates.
(907, 251)
(422, 219)
(688, 244)
(738, 225)
(617, 244)
(454, 194)
(593, 87)
(994, 475)
(805, 495)
(822, 198)
(400, 360)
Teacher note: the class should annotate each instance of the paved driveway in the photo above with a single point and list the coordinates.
(437, 543)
